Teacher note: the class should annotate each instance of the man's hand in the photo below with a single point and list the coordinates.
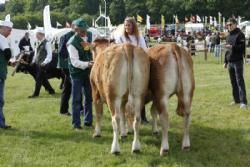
(43, 64)
(90, 64)
(228, 46)
(225, 65)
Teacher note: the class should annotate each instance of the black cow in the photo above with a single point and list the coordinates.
(24, 65)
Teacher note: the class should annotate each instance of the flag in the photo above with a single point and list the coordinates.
(239, 19)
(58, 24)
(176, 20)
(93, 22)
(47, 22)
(215, 22)
(148, 22)
(162, 22)
(193, 19)
(139, 18)
(205, 21)
(198, 18)
(224, 21)
(210, 20)
(67, 24)
(109, 23)
(29, 26)
(7, 17)
(219, 18)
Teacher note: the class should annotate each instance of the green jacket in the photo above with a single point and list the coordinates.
(63, 54)
(77, 73)
(3, 66)
(41, 52)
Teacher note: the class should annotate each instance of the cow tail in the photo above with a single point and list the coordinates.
(129, 56)
(180, 90)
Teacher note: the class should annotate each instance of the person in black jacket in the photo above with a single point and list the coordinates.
(63, 57)
(25, 42)
(235, 51)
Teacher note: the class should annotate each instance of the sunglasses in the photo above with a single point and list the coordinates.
(229, 25)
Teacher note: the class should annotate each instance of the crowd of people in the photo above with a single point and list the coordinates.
(75, 61)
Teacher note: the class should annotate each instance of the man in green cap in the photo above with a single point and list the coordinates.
(80, 63)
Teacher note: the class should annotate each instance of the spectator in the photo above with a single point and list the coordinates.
(24, 44)
(5, 55)
(235, 45)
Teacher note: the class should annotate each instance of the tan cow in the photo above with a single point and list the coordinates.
(171, 73)
(119, 77)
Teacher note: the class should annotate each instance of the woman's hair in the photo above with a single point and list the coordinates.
(135, 30)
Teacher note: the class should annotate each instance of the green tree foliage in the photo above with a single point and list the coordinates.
(67, 10)
(117, 11)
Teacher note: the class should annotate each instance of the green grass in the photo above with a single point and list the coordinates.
(220, 133)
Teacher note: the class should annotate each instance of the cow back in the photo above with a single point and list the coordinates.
(120, 70)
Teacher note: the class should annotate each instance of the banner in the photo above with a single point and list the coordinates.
(139, 19)
(47, 21)
(148, 22)
(58, 24)
(162, 22)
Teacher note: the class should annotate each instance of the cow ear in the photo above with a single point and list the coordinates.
(112, 41)
(93, 46)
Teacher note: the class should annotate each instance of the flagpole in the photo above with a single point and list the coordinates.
(105, 17)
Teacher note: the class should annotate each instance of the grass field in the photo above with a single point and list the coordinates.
(220, 133)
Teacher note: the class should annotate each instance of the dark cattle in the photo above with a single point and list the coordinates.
(25, 66)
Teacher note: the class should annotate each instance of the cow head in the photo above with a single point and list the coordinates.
(24, 62)
(99, 45)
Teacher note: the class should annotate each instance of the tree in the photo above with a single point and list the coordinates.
(117, 11)
(15, 7)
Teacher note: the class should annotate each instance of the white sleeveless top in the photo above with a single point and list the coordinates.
(141, 42)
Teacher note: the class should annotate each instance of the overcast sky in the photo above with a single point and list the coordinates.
(2, 1)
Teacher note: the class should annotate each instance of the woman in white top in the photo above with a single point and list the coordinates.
(131, 35)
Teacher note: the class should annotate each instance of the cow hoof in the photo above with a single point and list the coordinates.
(115, 152)
(164, 153)
(187, 148)
(124, 136)
(97, 135)
(130, 132)
(156, 133)
(136, 151)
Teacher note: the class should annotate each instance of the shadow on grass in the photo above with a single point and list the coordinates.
(209, 147)
(70, 135)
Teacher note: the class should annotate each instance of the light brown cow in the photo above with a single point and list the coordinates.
(171, 73)
(119, 77)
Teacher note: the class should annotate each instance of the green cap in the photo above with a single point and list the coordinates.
(80, 23)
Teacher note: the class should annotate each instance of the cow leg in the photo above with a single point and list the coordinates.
(136, 146)
(164, 124)
(187, 118)
(115, 112)
(99, 113)
(154, 120)
(123, 123)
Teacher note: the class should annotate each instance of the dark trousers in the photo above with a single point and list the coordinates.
(66, 92)
(79, 87)
(235, 70)
(41, 79)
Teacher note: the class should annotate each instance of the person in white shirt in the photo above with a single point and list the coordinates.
(5, 55)
(131, 35)
(43, 56)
